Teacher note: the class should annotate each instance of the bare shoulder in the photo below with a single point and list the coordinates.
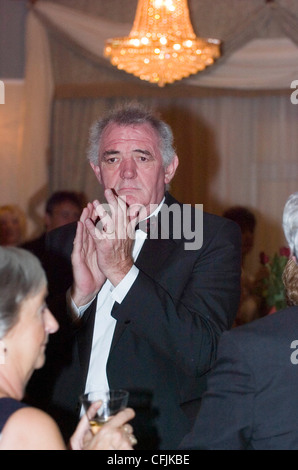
(31, 429)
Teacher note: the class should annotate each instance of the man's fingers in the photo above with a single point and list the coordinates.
(106, 223)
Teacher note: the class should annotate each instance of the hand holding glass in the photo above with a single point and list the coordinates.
(111, 402)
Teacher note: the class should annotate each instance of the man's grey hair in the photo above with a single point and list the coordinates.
(128, 115)
(21, 276)
(290, 223)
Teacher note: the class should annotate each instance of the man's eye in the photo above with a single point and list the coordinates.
(111, 160)
(143, 158)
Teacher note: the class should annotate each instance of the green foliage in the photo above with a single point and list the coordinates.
(273, 290)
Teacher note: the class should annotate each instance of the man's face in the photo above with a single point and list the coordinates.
(63, 213)
(10, 229)
(130, 163)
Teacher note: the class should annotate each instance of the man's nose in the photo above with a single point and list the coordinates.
(128, 169)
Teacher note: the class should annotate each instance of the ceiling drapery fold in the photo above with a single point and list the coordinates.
(248, 60)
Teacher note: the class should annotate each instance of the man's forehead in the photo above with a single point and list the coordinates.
(115, 133)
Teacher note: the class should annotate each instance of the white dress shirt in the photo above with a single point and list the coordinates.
(104, 325)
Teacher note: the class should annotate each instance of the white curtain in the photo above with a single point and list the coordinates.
(253, 160)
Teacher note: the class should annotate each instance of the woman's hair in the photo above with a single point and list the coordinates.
(290, 280)
(290, 223)
(21, 276)
(64, 196)
(128, 115)
(290, 227)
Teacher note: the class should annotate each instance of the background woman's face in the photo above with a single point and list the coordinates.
(10, 229)
(27, 340)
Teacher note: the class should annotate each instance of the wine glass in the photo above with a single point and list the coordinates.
(111, 401)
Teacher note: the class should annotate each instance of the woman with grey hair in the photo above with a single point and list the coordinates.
(25, 325)
(290, 226)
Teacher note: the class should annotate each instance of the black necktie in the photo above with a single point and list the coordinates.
(147, 225)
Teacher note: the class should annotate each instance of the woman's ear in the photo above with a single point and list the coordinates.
(3, 352)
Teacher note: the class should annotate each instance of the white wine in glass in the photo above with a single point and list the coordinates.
(111, 402)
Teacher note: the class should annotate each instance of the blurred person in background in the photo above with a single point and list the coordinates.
(13, 225)
(249, 307)
(251, 400)
(62, 207)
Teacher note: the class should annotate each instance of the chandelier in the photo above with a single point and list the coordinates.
(162, 46)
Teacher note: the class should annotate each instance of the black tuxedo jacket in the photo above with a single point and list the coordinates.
(252, 399)
(167, 329)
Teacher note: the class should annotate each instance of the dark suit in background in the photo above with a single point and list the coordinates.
(252, 399)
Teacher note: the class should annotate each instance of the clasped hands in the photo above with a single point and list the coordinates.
(103, 245)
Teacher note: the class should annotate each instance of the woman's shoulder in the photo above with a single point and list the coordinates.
(31, 428)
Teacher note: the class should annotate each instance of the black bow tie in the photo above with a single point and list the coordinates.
(147, 225)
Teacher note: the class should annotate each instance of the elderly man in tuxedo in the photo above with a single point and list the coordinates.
(147, 308)
(252, 401)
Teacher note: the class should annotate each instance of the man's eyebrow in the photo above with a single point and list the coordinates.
(106, 153)
(145, 152)
(109, 152)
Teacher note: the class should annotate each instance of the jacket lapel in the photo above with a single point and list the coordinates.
(150, 261)
(84, 337)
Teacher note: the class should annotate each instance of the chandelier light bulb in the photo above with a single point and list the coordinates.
(162, 46)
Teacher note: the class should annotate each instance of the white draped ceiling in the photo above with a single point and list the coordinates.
(249, 63)
(258, 64)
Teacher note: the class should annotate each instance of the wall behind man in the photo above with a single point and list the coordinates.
(12, 67)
